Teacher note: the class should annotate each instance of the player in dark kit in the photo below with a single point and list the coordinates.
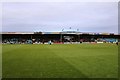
(43, 41)
(116, 43)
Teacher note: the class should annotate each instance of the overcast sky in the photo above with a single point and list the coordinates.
(55, 16)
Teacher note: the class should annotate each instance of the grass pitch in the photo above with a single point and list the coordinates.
(60, 61)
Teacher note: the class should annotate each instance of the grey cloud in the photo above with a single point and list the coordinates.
(50, 16)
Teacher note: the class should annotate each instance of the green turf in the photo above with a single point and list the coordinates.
(60, 61)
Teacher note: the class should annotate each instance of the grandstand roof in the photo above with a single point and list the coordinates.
(17, 32)
(63, 32)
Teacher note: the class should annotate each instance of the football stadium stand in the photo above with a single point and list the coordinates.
(57, 37)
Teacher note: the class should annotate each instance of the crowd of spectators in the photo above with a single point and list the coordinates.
(58, 41)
